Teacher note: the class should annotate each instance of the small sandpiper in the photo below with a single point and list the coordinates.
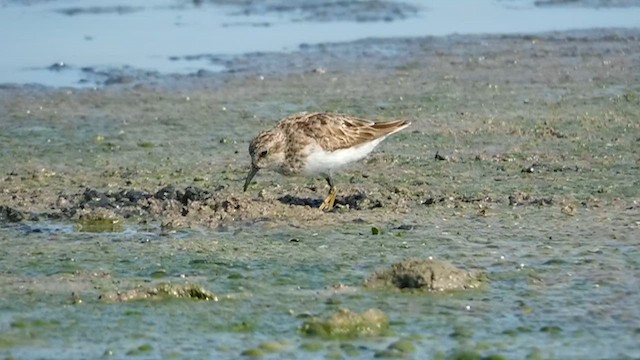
(318, 143)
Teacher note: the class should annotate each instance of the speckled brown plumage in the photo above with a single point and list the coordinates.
(336, 131)
(308, 143)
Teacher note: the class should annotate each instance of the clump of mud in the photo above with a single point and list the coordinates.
(346, 324)
(104, 209)
(430, 275)
(161, 291)
(8, 214)
(108, 210)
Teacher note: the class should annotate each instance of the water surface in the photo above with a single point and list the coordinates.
(50, 42)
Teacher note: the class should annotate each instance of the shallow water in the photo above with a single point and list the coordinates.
(559, 288)
(67, 43)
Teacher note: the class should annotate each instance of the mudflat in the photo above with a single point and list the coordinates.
(522, 162)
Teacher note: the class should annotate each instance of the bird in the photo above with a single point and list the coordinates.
(317, 144)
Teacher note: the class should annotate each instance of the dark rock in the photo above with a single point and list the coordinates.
(358, 202)
(531, 169)
(192, 193)
(8, 214)
(133, 196)
(93, 198)
(166, 193)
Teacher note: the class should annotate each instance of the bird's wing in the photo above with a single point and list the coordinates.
(336, 131)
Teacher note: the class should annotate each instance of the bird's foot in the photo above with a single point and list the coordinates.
(329, 201)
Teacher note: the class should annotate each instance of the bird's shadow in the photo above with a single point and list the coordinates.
(354, 201)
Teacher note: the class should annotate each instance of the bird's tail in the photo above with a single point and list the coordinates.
(390, 127)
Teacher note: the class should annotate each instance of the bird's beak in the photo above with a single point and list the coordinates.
(252, 173)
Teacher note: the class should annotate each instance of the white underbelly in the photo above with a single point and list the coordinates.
(322, 162)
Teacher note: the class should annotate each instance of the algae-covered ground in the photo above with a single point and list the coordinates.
(125, 231)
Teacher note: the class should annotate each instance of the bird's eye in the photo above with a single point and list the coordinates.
(262, 153)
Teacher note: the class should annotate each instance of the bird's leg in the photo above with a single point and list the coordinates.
(330, 200)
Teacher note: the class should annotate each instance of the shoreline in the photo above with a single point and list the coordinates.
(343, 56)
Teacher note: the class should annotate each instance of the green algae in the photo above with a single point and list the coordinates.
(551, 329)
(349, 349)
(517, 331)
(265, 348)
(253, 352)
(272, 346)
(462, 332)
(140, 350)
(495, 357)
(161, 291)
(474, 355)
(403, 346)
(398, 349)
(346, 324)
(466, 355)
(99, 220)
(158, 274)
(240, 327)
(8, 341)
(312, 346)
(35, 323)
(99, 225)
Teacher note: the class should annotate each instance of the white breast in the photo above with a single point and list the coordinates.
(320, 161)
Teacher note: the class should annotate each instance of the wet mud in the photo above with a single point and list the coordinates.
(429, 275)
(521, 163)
(161, 291)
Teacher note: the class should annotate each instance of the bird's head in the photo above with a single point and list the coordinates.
(267, 151)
